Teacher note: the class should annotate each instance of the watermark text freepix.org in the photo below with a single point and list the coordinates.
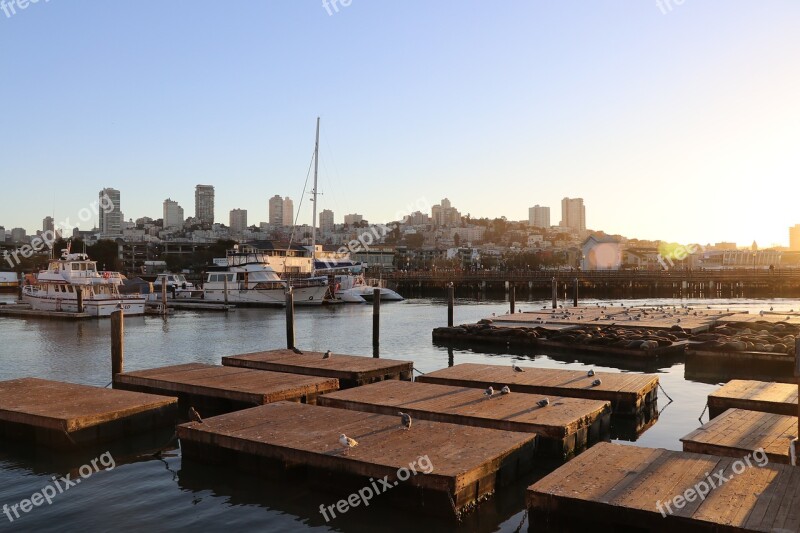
(10, 7)
(376, 488)
(57, 487)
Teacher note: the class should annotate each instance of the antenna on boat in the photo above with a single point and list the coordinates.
(314, 203)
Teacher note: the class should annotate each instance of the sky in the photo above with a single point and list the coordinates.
(678, 122)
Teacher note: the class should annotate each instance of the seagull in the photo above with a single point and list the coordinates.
(489, 391)
(516, 368)
(405, 419)
(194, 416)
(505, 390)
(544, 402)
(596, 383)
(347, 442)
(327, 355)
(295, 350)
(770, 308)
(590, 373)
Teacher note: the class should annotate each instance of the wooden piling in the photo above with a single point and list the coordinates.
(164, 296)
(79, 294)
(289, 318)
(555, 293)
(376, 317)
(451, 298)
(225, 288)
(117, 343)
(796, 443)
(575, 295)
(512, 297)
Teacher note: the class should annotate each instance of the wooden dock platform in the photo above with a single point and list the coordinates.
(762, 396)
(564, 427)
(613, 487)
(64, 415)
(25, 311)
(737, 433)
(350, 370)
(213, 390)
(466, 464)
(629, 394)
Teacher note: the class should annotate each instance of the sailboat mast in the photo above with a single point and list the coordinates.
(314, 203)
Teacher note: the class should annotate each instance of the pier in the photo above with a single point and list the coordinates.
(629, 394)
(738, 432)
(564, 426)
(213, 390)
(281, 437)
(350, 370)
(25, 311)
(765, 397)
(611, 487)
(65, 415)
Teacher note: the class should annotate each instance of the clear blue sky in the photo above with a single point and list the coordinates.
(682, 126)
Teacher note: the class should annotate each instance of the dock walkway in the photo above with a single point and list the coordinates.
(766, 397)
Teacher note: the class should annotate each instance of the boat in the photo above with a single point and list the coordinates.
(9, 281)
(178, 287)
(246, 278)
(58, 287)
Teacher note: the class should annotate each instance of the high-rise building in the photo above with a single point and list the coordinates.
(18, 235)
(326, 224)
(288, 212)
(2, 234)
(48, 225)
(238, 221)
(445, 214)
(573, 214)
(204, 204)
(276, 211)
(539, 216)
(794, 238)
(353, 219)
(110, 212)
(173, 214)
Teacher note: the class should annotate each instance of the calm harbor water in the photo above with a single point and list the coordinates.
(148, 493)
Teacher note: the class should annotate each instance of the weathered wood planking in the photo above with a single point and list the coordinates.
(350, 370)
(763, 396)
(565, 426)
(738, 432)
(56, 414)
(628, 393)
(218, 389)
(612, 486)
(468, 463)
(772, 318)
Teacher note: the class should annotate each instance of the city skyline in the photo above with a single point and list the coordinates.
(659, 121)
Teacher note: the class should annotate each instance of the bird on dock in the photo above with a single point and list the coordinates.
(327, 355)
(515, 367)
(544, 402)
(405, 420)
(596, 383)
(590, 373)
(770, 308)
(194, 416)
(297, 351)
(347, 442)
(505, 390)
(489, 391)
(679, 321)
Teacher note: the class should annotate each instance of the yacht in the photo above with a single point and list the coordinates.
(178, 287)
(9, 281)
(58, 287)
(350, 285)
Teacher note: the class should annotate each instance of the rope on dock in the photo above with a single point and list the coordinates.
(665, 392)
(704, 412)
(419, 371)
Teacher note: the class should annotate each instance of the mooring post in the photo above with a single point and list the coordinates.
(575, 297)
(225, 289)
(79, 294)
(555, 293)
(117, 343)
(289, 318)
(376, 317)
(451, 301)
(21, 285)
(164, 296)
(796, 443)
(512, 298)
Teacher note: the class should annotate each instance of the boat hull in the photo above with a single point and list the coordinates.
(94, 307)
(267, 297)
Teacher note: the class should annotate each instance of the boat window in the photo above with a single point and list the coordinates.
(71, 288)
(76, 266)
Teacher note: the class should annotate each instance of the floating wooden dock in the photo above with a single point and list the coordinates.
(765, 397)
(215, 390)
(65, 415)
(350, 370)
(25, 311)
(468, 463)
(629, 394)
(613, 487)
(737, 433)
(565, 426)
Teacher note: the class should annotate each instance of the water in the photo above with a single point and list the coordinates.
(147, 493)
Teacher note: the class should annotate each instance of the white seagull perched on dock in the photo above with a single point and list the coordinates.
(590, 373)
(347, 442)
(515, 367)
(405, 420)
(544, 402)
(489, 391)
(505, 390)
(194, 416)
(327, 355)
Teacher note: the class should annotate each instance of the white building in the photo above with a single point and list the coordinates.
(288, 212)
(539, 216)
(326, 224)
(238, 221)
(173, 214)
(445, 214)
(352, 220)
(573, 214)
(276, 211)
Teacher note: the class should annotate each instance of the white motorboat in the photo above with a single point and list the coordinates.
(178, 287)
(58, 287)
